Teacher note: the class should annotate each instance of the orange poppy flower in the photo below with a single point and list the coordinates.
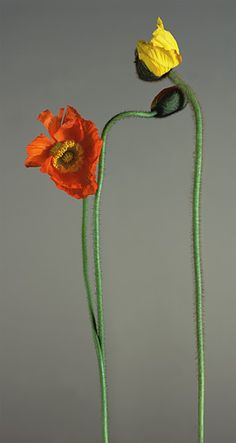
(71, 153)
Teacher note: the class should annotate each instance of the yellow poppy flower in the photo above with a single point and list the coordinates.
(161, 53)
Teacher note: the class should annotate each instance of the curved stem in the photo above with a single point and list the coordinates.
(98, 334)
(98, 327)
(196, 248)
(97, 259)
(103, 384)
(93, 322)
(86, 266)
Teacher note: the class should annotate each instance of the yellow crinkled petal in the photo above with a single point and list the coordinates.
(162, 52)
(160, 23)
(158, 60)
(163, 38)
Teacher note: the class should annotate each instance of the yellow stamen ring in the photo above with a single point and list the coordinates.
(67, 156)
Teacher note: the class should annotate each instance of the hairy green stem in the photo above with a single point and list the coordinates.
(98, 328)
(196, 248)
(103, 384)
(97, 259)
(88, 288)
(92, 317)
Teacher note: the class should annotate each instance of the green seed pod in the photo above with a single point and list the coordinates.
(169, 101)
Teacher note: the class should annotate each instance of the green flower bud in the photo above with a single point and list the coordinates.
(169, 101)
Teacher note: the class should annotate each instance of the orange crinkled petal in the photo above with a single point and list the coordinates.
(38, 151)
(92, 142)
(72, 180)
(71, 130)
(52, 123)
(71, 114)
(79, 192)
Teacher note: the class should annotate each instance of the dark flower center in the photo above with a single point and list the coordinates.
(67, 156)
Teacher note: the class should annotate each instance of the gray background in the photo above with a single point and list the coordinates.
(55, 53)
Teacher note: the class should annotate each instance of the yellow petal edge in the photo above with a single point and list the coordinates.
(161, 53)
